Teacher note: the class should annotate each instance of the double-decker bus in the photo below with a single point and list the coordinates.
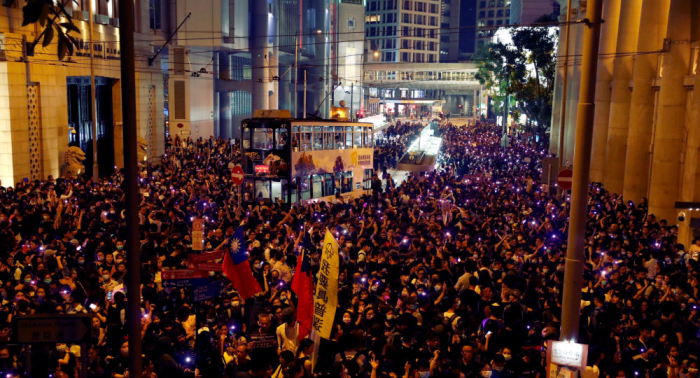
(288, 160)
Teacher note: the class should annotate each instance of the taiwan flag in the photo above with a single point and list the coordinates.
(237, 268)
(303, 288)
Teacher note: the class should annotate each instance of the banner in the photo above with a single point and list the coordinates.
(326, 298)
(198, 234)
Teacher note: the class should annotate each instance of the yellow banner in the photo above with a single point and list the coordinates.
(326, 298)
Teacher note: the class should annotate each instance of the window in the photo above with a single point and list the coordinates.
(262, 139)
(490, 14)
(358, 136)
(492, 3)
(500, 3)
(281, 138)
(328, 138)
(154, 14)
(406, 31)
(482, 14)
(482, 4)
(296, 138)
(328, 184)
(351, 23)
(339, 137)
(507, 12)
(317, 183)
(490, 23)
(433, 8)
(306, 138)
(499, 13)
(407, 5)
(304, 187)
(318, 137)
(348, 136)
(406, 18)
(499, 22)
(346, 182)
(246, 138)
(405, 44)
(405, 57)
(431, 58)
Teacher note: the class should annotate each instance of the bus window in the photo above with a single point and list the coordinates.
(339, 137)
(328, 185)
(318, 137)
(281, 138)
(262, 190)
(296, 138)
(367, 137)
(367, 179)
(246, 138)
(248, 191)
(346, 182)
(306, 138)
(358, 136)
(293, 188)
(303, 187)
(348, 136)
(278, 191)
(262, 139)
(328, 138)
(317, 191)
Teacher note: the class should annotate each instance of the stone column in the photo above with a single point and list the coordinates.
(574, 86)
(613, 176)
(671, 117)
(608, 43)
(555, 126)
(653, 20)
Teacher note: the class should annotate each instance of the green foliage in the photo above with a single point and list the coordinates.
(524, 70)
(46, 14)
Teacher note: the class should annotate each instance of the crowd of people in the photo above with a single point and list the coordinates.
(458, 273)
(396, 139)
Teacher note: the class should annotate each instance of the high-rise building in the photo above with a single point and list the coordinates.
(528, 11)
(490, 15)
(402, 31)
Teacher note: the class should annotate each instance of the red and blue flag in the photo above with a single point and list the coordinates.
(237, 268)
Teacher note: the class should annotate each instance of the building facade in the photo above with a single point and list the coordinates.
(526, 12)
(491, 14)
(405, 31)
(647, 119)
(47, 103)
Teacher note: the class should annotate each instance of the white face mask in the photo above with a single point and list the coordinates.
(486, 374)
(507, 357)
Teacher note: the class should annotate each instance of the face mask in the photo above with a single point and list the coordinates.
(105, 277)
(47, 281)
(81, 262)
(496, 368)
(438, 288)
(486, 374)
(347, 320)
(370, 317)
(28, 280)
(604, 282)
(235, 303)
(120, 247)
(61, 348)
(424, 374)
(507, 357)
(389, 317)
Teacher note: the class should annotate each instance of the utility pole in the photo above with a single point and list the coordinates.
(130, 185)
(573, 275)
(95, 167)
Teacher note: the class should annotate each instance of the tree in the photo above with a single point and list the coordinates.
(524, 69)
(48, 15)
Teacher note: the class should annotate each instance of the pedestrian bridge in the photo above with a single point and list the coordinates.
(442, 76)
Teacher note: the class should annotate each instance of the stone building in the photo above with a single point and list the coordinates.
(647, 119)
